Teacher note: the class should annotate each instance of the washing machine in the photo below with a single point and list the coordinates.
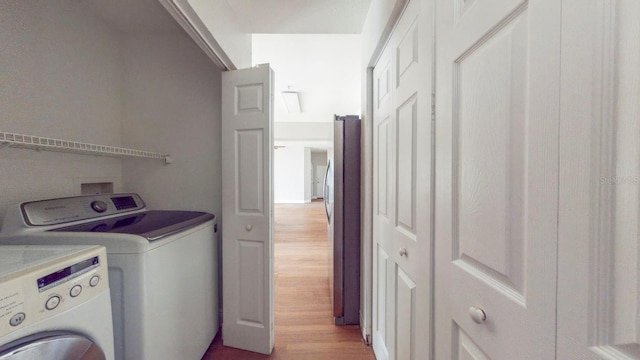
(55, 303)
(162, 267)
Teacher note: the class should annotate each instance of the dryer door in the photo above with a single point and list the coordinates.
(52, 346)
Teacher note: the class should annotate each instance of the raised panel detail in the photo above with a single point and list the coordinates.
(249, 168)
(383, 167)
(460, 7)
(405, 315)
(381, 310)
(615, 275)
(407, 52)
(250, 270)
(383, 85)
(490, 154)
(406, 166)
(249, 98)
(464, 348)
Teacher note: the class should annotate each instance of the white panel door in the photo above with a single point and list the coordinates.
(497, 119)
(319, 173)
(382, 207)
(402, 189)
(247, 209)
(599, 248)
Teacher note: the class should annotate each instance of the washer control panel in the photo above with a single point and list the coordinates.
(65, 210)
(37, 289)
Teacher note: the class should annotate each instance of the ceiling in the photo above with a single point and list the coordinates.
(300, 16)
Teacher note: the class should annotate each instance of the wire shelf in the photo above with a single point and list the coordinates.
(75, 147)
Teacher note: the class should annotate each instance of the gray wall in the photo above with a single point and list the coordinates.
(69, 72)
(60, 77)
(172, 104)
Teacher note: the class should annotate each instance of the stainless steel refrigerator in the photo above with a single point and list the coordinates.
(342, 205)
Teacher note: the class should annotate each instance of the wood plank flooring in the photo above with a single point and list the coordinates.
(304, 326)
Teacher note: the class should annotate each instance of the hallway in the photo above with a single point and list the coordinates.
(304, 326)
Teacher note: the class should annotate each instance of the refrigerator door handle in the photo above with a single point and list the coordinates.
(325, 193)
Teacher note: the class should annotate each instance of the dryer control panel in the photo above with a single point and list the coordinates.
(37, 282)
(78, 208)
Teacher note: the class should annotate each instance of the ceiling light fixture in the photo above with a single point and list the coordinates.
(291, 101)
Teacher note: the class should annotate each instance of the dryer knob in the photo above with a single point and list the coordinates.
(99, 206)
(52, 302)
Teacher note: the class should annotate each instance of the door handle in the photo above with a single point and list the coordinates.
(477, 314)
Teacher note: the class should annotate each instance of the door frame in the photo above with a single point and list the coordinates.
(315, 175)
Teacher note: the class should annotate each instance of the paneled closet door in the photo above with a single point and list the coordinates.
(497, 119)
(382, 208)
(402, 189)
(599, 236)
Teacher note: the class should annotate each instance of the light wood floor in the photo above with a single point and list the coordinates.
(304, 326)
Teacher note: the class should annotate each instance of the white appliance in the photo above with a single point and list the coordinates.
(55, 303)
(162, 267)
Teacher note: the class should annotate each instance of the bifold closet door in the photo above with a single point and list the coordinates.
(497, 119)
(402, 188)
(247, 208)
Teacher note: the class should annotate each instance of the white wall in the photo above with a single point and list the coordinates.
(172, 105)
(325, 69)
(289, 173)
(220, 20)
(308, 131)
(61, 77)
(68, 73)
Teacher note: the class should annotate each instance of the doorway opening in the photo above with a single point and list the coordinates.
(302, 143)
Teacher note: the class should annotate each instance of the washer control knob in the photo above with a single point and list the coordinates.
(99, 206)
(75, 290)
(95, 279)
(17, 319)
(52, 302)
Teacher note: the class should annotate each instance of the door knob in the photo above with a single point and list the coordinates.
(477, 314)
(248, 227)
(403, 252)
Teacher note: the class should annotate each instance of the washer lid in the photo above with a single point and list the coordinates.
(152, 225)
(52, 346)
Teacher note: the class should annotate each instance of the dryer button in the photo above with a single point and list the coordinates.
(17, 319)
(95, 279)
(52, 302)
(75, 290)
(99, 206)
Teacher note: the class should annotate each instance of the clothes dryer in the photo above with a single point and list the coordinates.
(55, 303)
(162, 267)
